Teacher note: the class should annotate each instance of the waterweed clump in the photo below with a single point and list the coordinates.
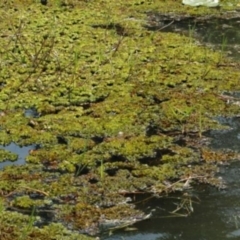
(120, 110)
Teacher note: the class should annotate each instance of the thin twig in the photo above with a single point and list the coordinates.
(36, 190)
(167, 25)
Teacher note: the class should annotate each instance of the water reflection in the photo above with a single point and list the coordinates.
(222, 33)
(140, 236)
(216, 216)
(227, 139)
(22, 152)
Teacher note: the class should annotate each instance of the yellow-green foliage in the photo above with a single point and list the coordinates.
(119, 108)
(18, 227)
(7, 156)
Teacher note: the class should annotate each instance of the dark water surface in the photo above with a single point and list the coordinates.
(220, 33)
(216, 212)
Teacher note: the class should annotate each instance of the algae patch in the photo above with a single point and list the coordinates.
(114, 109)
(5, 155)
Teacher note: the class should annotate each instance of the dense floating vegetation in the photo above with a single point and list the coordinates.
(113, 108)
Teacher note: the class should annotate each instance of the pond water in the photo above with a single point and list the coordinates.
(221, 33)
(22, 152)
(216, 213)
